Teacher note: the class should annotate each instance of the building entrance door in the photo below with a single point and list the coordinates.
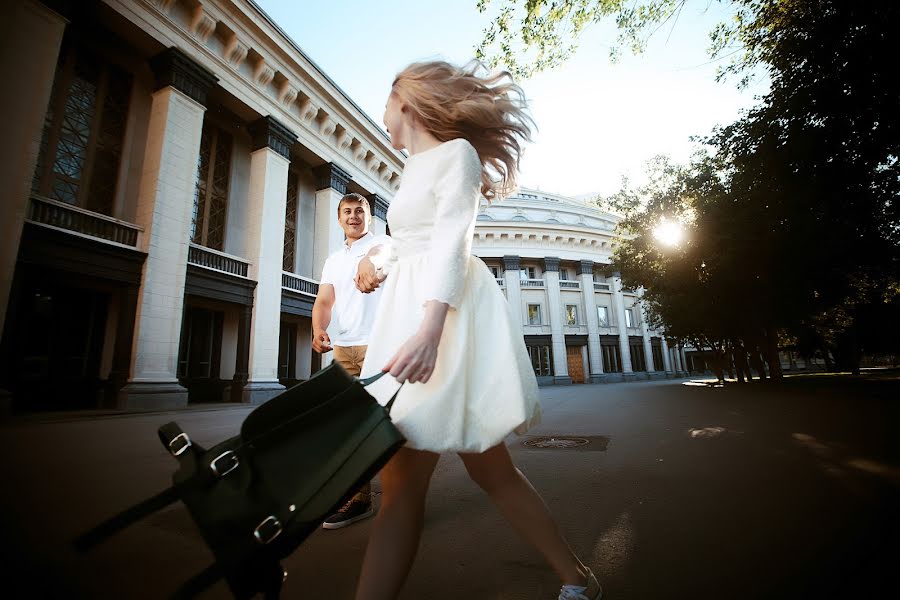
(200, 355)
(56, 346)
(576, 364)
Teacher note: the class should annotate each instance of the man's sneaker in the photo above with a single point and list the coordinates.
(350, 513)
(592, 591)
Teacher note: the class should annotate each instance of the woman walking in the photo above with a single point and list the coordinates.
(443, 326)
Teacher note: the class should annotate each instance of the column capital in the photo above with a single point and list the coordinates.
(587, 267)
(379, 206)
(551, 263)
(511, 262)
(267, 132)
(330, 175)
(617, 274)
(175, 68)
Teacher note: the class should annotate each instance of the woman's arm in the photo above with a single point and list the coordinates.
(456, 194)
(415, 360)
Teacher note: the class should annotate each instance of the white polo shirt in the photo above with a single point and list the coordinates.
(353, 313)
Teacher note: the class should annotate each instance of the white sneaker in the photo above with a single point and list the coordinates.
(592, 591)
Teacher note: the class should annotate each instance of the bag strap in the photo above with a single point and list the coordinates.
(116, 523)
(175, 440)
(266, 578)
(370, 380)
(199, 583)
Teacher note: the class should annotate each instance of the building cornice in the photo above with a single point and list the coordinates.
(255, 62)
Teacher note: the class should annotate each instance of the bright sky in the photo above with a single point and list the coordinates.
(597, 121)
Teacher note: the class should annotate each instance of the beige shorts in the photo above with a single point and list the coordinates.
(351, 358)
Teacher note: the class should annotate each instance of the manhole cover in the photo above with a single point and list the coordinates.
(560, 442)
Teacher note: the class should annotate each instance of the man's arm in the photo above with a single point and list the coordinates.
(321, 317)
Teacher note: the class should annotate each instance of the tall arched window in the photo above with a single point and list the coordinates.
(81, 145)
(290, 223)
(211, 194)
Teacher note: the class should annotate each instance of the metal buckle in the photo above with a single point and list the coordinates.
(268, 530)
(181, 437)
(222, 470)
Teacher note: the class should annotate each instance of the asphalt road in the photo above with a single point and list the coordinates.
(682, 491)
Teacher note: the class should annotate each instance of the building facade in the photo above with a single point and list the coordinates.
(550, 254)
(172, 171)
(171, 176)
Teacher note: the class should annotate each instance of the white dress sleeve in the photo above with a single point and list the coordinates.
(457, 192)
(384, 258)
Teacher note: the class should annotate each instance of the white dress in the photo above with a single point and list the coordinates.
(483, 385)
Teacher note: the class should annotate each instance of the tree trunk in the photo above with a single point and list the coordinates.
(757, 363)
(745, 364)
(733, 358)
(853, 350)
(741, 360)
(772, 356)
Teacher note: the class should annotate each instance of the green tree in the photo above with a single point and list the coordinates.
(530, 36)
(800, 233)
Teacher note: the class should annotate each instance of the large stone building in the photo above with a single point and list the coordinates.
(550, 254)
(171, 175)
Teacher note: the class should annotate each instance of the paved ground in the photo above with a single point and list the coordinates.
(683, 492)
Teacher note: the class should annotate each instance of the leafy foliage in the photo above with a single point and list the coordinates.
(794, 230)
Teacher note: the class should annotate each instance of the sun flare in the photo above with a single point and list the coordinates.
(668, 233)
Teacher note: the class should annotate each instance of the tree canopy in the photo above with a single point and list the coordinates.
(530, 36)
(791, 218)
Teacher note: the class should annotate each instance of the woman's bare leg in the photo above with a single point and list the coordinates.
(523, 507)
(397, 528)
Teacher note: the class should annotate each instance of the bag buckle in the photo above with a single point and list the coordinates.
(268, 530)
(179, 443)
(224, 463)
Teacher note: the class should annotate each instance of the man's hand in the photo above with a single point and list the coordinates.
(321, 342)
(367, 279)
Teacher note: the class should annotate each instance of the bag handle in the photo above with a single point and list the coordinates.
(370, 380)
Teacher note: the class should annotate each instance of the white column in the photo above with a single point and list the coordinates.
(304, 349)
(667, 359)
(165, 204)
(595, 358)
(683, 357)
(554, 307)
(379, 207)
(619, 307)
(513, 289)
(31, 37)
(677, 355)
(645, 334)
(265, 249)
(331, 187)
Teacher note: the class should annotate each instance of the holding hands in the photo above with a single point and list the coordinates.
(367, 277)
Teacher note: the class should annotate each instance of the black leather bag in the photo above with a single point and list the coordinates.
(256, 496)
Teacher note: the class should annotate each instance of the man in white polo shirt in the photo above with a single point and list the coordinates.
(348, 314)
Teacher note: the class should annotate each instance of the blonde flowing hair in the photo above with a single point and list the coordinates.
(488, 110)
